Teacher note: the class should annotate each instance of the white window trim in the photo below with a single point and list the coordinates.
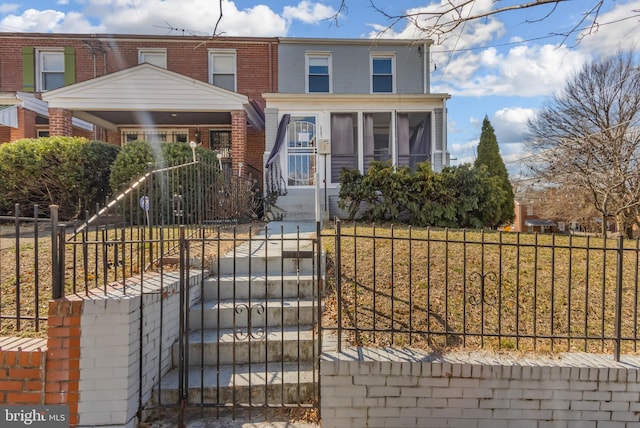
(383, 55)
(223, 52)
(39, 71)
(306, 70)
(152, 51)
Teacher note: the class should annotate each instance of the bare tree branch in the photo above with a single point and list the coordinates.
(589, 137)
(215, 29)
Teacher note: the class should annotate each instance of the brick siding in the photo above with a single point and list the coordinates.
(22, 363)
(405, 388)
(63, 356)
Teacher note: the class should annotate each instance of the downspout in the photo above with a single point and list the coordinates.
(425, 65)
(270, 67)
(445, 134)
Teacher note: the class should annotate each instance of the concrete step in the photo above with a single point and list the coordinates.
(258, 384)
(267, 257)
(275, 345)
(228, 313)
(259, 286)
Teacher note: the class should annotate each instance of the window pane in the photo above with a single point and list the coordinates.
(382, 66)
(413, 132)
(377, 137)
(318, 74)
(226, 81)
(318, 65)
(318, 69)
(52, 81)
(157, 59)
(319, 83)
(53, 61)
(344, 147)
(223, 64)
(382, 84)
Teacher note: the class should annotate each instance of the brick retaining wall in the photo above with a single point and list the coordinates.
(90, 361)
(403, 388)
(22, 370)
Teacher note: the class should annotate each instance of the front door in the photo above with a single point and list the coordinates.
(301, 147)
(220, 141)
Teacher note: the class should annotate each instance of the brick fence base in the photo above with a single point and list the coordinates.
(407, 388)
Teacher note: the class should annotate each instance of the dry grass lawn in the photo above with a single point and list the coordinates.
(438, 289)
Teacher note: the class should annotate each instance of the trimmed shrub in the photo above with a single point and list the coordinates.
(139, 157)
(70, 172)
(457, 197)
(171, 191)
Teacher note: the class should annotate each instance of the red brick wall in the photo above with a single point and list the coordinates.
(63, 355)
(60, 122)
(27, 129)
(256, 57)
(22, 363)
(45, 371)
(238, 138)
(5, 134)
(255, 148)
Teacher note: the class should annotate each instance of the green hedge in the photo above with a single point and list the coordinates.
(459, 196)
(70, 172)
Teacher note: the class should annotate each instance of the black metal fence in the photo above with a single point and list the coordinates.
(443, 289)
(44, 258)
(26, 273)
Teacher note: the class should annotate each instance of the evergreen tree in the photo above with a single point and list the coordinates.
(489, 158)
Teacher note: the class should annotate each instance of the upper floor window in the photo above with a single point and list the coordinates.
(222, 69)
(318, 73)
(50, 69)
(157, 57)
(382, 73)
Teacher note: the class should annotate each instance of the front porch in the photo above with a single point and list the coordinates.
(151, 103)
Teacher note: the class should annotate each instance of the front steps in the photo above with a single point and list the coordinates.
(252, 339)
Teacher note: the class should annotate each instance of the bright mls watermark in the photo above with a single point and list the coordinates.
(34, 416)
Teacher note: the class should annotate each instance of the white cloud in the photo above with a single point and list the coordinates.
(8, 7)
(197, 17)
(615, 29)
(308, 12)
(463, 152)
(421, 19)
(523, 70)
(169, 16)
(152, 17)
(510, 124)
(34, 20)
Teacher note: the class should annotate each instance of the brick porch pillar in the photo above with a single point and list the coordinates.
(238, 138)
(60, 122)
(62, 374)
(26, 125)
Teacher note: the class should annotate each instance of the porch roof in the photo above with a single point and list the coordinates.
(146, 95)
(10, 101)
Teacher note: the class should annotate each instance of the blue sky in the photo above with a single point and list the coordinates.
(505, 66)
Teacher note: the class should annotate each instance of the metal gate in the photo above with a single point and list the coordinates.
(248, 328)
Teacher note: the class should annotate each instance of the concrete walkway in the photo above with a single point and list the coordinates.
(258, 418)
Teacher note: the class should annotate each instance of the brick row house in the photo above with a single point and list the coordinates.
(119, 88)
(298, 109)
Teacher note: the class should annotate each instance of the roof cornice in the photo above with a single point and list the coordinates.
(368, 42)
